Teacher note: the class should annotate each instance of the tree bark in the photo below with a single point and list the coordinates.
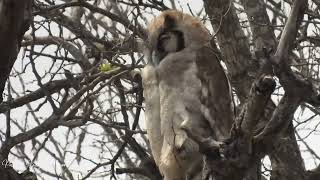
(241, 66)
(15, 18)
(263, 37)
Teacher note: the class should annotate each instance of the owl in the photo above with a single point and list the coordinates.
(184, 83)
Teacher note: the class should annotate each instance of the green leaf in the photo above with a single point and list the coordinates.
(106, 67)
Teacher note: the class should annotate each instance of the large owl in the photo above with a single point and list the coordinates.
(184, 83)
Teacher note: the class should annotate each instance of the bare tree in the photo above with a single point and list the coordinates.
(73, 104)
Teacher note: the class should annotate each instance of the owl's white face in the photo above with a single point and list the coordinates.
(173, 32)
(171, 41)
(168, 41)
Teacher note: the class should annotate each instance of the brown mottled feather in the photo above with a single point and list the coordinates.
(186, 86)
(216, 92)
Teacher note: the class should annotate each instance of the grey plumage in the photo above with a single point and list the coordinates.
(184, 83)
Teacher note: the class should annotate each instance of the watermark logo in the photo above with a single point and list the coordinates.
(5, 163)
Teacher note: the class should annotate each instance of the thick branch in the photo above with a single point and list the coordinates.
(264, 38)
(296, 88)
(290, 31)
(52, 87)
(253, 109)
(15, 17)
(234, 45)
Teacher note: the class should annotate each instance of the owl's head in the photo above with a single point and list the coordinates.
(173, 31)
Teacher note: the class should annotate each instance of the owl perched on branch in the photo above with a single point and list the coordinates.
(184, 84)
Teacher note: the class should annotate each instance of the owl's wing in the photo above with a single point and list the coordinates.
(215, 92)
(178, 87)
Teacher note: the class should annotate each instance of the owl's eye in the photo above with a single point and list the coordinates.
(163, 40)
(164, 36)
(171, 41)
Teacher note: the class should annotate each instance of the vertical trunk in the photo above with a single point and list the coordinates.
(243, 69)
(15, 16)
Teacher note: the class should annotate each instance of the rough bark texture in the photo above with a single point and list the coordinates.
(235, 50)
(252, 59)
(234, 45)
(241, 66)
(15, 18)
(263, 37)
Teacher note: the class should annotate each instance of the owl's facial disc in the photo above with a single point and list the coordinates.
(168, 42)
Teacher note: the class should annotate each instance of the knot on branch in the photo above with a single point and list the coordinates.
(295, 86)
(265, 85)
